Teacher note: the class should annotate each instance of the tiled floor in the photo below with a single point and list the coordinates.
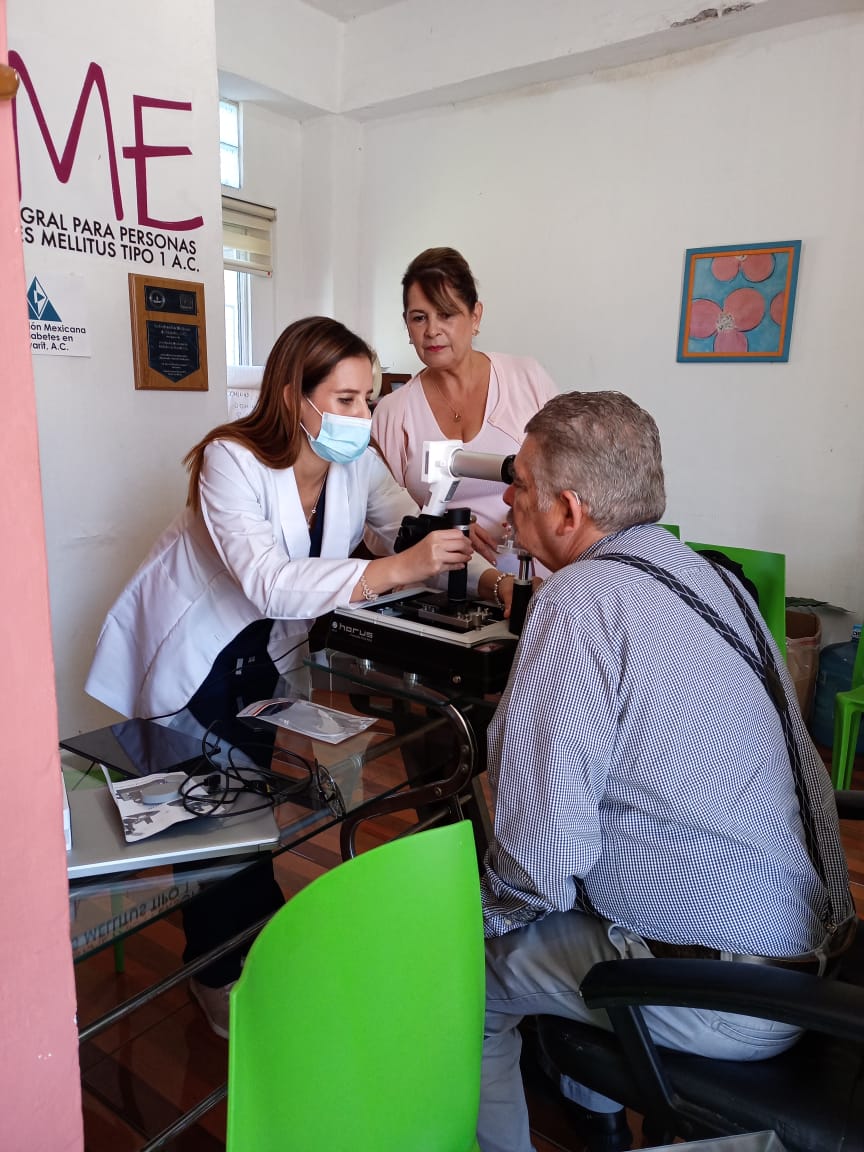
(162, 1060)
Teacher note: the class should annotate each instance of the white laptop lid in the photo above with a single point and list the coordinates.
(99, 846)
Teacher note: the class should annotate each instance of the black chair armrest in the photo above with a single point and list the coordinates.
(850, 804)
(799, 999)
(409, 800)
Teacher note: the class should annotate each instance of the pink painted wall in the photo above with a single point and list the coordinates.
(40, 1105)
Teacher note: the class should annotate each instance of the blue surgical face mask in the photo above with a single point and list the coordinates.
(341, 439)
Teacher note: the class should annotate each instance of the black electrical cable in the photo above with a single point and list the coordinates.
(224, 783)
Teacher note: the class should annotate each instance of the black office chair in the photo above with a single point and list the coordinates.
(812, 1096)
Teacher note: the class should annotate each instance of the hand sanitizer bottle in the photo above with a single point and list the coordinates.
(508, 553)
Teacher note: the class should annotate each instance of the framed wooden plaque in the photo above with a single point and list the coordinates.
(169, 336)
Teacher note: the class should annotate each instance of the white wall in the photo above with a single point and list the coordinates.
(310, 173)
(272, 162)
(574, 206)
(110, 455)
(283, 46)
(334, 167)
(410, 56)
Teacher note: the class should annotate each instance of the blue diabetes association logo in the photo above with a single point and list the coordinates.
(39, 306)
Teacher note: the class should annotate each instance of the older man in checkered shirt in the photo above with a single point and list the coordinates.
(645, 794)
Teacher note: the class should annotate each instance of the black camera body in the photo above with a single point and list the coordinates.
(416, 528)
(444, 472)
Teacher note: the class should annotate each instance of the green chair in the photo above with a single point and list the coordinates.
(767, 572)
(673, 528)
(357, 1022)
(848, 707)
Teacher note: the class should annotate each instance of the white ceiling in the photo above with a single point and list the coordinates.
(348, 9)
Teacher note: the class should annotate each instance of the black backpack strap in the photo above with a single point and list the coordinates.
(765, 669)
(762, 662)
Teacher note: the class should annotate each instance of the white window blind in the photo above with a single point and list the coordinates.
(246, 236)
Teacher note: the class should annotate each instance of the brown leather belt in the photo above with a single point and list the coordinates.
(807, 964)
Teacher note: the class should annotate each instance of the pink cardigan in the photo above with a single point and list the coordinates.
(518, 387)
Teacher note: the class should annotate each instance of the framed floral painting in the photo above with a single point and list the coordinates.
(737, 303)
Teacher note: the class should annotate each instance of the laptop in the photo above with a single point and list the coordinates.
(99, 846)
(138, 748)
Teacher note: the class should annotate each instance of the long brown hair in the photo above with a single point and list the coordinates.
(306, 352)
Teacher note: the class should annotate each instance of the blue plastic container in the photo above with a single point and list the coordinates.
(835, 675)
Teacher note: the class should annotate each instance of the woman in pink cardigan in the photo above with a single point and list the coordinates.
(483, 399)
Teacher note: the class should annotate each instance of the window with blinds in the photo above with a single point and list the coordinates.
(246, 236)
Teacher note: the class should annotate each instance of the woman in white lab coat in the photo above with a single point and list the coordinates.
(278, 501)
(263, 492)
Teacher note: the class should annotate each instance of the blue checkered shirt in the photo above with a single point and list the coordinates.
(639, 767)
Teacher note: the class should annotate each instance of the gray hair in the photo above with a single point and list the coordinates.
(606, 449)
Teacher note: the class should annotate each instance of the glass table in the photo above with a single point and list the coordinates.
(421, 752)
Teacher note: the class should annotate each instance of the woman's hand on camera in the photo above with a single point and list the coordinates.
(446, 550)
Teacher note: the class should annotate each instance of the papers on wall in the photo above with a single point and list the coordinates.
(244, 388)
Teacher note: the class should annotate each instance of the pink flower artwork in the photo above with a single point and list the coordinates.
(742, 310)
(737, 303)
(778, 307)
(753, 266)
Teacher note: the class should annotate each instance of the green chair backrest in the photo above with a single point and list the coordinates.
(767, 571)
(674, 529)
(357, 1022)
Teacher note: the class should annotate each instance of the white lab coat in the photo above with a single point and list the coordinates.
(244, 557)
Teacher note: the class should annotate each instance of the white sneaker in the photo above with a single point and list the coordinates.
(213, 1002)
